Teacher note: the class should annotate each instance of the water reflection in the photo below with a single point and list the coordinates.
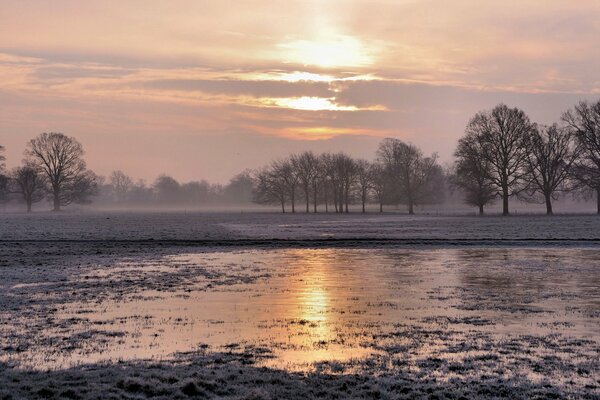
(311, 305)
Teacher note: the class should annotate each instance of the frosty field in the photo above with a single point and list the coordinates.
(123, 305)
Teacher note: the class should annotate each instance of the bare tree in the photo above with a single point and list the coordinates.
(4, 179)
(29, 183)
(286, 172)
(60, 158)
(306, 167)
(121, 184)
(2, 159)
(503, 132)
(380, 183)
(472, 172)
(270, 188)
(412, 175)
(584, 123)
(363, 181)
(551, 154)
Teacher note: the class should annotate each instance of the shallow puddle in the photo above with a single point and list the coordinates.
(305, 306)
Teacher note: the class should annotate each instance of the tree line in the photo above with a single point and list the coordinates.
(401, 174)
(502, 154)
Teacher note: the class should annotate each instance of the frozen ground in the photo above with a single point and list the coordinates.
(242, 306)
(227, 226)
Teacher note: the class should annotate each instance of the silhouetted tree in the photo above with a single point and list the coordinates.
(584, 123)
(29, 183)
(306, 166)
(364, 181)
(270, 188)
(472, 172)
(167, 190)
(551, 154)
(380, 183)
(240, 188)
(4, 179)
(121, 185)
(284, 170)
(410, 172)
(60, 158)
(503, 133)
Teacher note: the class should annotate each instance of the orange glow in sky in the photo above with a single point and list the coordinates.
(171, 87)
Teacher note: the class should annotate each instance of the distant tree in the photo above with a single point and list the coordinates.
(4, 179)
(364, 181)
(584, 123)
(121, 185)
(167, 190)
(551, 155)
(472, 171)
(240, 188)
(412, 175)
(306, 166)
(60, 158)
(270, 188)
(196, 193)
(2, 159)
(29, 183)
(286, 173)
(380, 183)
(341, 174)
(503, 132)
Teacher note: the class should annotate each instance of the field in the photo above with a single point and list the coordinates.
(261, 306)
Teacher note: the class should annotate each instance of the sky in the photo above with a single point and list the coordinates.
(205, 89)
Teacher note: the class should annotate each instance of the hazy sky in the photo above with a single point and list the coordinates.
(204, 89)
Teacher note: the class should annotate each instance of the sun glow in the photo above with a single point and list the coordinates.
(331, 52)
(312, 104)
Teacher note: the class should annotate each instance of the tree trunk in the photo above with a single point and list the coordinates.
(481, 209)
(28, 206)
(56, 201)
(381, 206)
(505, 200)
(283, 206)
(549, 205)
(411, 209)
(307, 195)
(598, 200)
(293, 198)
(315, 199)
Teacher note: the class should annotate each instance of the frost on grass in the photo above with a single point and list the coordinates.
(99, 320)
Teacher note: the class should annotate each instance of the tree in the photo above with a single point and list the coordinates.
(29, 183)
(4, 179)
(60, 158)
(380, 182)
(503, 132)
(240, 188)
(270, 188)
(584, 123)
(472, 172)
(306, 166)
(363, 180)
(167, 190)
(121, 185)
(412, 175)
(2, 159)
(551, 155)
(285, 172)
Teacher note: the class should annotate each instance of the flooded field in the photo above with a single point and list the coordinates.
(450, 313)
(300, 306)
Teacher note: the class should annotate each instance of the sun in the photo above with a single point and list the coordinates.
(329, 52)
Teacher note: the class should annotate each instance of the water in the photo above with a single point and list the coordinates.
(305, 306)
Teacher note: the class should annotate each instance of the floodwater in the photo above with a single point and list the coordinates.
(306, 306)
